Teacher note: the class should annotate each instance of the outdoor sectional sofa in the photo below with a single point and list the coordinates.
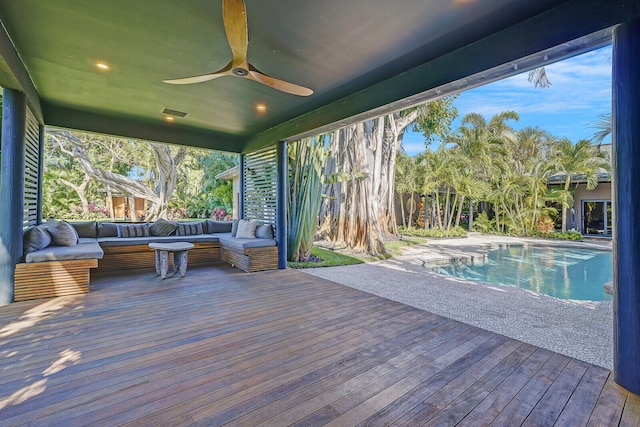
(65, 270)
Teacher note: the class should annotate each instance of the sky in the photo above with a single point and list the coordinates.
(580, 93)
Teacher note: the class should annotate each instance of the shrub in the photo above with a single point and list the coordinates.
(567, 235)
(95, 213)
(433, 232)
(219, 214)
(483, 224)
(177, 213)
(544, 225)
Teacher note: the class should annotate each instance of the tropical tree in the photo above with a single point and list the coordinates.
(360, 213)
(404, 166)
(604, 128)
(158, 170)
(581, 159)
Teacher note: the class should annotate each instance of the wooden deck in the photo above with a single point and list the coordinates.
(278, 348)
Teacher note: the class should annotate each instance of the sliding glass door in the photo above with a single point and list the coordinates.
(596, 217)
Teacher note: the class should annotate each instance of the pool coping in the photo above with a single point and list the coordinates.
(578, 328)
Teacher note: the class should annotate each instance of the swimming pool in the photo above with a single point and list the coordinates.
(567, 273)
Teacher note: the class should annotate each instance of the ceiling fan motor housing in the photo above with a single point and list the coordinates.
(240, 72)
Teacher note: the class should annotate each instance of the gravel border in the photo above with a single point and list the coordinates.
(579, 329)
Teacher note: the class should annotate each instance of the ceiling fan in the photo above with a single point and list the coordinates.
(234, 15)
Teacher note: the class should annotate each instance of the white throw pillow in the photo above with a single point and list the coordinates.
(247, 229)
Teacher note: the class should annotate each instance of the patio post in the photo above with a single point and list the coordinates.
(41, 170)
(281, 203)
(626, 202)
(14, 110)
(241, 189)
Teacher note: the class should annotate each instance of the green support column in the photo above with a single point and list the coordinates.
(281, 203)
(14, 110)
(626, 205)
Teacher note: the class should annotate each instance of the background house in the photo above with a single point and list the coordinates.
(591, 213)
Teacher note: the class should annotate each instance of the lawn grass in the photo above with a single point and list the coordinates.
(395, 247)
(329, 259)
(336, 258)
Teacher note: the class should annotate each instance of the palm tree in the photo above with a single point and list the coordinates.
(403, 173)
(409, 180)
(604, 128)
(584, 159)
(485, 146)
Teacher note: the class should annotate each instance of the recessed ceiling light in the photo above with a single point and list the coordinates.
(169, 119)
(261, 108)
(102, 66)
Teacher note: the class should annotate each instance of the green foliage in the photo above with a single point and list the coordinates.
(483, 224)
(435, 119)
(487, 160)
(195, 188)
(307, 159)
(567, 235)
(433, 232)
(328, 259)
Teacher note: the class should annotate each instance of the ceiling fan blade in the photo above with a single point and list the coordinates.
(234, 15)
(201, 78)
(194, 79)
(278, 84)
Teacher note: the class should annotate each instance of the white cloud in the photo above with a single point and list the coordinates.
(580, 93)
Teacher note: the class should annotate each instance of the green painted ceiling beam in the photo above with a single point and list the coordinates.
(127, 127)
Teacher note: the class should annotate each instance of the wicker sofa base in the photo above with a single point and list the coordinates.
(252, 259)
(59, 278)
(52, 279)
(132, 257)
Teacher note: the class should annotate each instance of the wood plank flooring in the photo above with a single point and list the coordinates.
(222, 347)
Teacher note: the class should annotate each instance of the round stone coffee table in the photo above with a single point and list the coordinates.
(180, 252)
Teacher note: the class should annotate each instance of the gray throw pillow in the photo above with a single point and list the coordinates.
(36, 238)
(234, 227)
(163, 227)
(62, 233)
(189, 228)
(133, 230)
(264, 231)
(86, 229)
(247, 229)
(107, 229)
(219, 226)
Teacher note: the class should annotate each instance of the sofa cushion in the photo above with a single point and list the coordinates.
(242, 244)
(36, 238)
(162, 227)
(86, 229)
(234, 227)
(247, 229)
(189, 228)
(219, 226)
(107, 229)
(83, 250)
(133, 230)
(264, 231)
(127, 241)
(62, 233)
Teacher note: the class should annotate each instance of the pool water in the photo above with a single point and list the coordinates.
(566, 273)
